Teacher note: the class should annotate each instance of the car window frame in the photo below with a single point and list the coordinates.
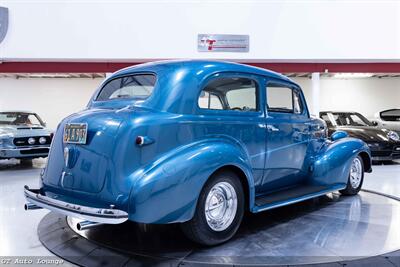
(41, 122)
(104, 84)
(295, 89)
(255, 78)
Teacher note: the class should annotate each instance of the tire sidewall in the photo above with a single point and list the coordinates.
(221, 236)
(350, 189)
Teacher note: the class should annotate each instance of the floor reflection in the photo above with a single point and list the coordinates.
(327, 228)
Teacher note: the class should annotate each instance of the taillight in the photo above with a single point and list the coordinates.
(143, 140)
(140, 140)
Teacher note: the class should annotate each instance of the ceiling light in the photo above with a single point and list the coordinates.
(352, 75)
(49, 75)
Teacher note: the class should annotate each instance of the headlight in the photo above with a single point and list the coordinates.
(31, 140)
(42, 140)
(393, 136)
(4, 138)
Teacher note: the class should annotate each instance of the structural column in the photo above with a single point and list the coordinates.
(315, 93)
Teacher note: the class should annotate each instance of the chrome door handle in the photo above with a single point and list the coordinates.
(272, 128)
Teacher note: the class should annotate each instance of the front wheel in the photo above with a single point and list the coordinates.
(219, 210)
(356, 177)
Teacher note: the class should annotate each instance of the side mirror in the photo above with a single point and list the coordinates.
(339, 135)
(374, 123)
(44, 124)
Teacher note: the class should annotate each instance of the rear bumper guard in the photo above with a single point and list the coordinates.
(99, 215)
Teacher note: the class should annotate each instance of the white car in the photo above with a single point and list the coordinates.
(23, 135)
(389, 119)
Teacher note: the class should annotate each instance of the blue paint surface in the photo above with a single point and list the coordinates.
(160, 181)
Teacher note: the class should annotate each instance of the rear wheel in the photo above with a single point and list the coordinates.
(219, 210)
(356, 177)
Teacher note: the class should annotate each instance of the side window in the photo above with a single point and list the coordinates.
(297, 107)
(209, 101)
(327, 119)
(283, 99)
(238, 94)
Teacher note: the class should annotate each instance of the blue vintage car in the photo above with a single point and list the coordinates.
(197, 143)
(23, 135)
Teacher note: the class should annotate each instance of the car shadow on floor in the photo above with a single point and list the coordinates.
(16, 164)
(387, 162)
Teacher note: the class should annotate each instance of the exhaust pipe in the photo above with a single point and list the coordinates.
(84, 225)
(30, 206)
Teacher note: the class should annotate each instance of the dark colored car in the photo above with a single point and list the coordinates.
(384, 143)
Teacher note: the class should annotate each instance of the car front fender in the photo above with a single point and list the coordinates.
(332, 164)
(168, 190)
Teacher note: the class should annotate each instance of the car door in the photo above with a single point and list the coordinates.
(231, 105)
(287, 136)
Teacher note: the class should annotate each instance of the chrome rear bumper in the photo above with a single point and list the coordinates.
(99, 215)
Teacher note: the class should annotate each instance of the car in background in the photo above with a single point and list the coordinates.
(23, 135)
(384, 143)
(389, 119)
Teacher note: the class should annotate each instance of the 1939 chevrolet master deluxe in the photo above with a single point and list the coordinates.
(194, 142)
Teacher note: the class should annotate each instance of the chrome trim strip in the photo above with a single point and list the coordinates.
(99, 215)
(292, 201)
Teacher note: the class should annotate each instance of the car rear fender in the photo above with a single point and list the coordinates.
(167, 191)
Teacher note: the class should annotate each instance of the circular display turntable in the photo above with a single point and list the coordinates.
(333, 228)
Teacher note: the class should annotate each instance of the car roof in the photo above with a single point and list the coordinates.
(180, 80)
(197, 65)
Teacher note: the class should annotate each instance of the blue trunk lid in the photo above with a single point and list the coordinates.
(89, 164)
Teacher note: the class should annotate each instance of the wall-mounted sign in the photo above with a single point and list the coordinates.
(3, 22)
(222, 43)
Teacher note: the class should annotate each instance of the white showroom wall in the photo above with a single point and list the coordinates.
(52, 98)
(56, 98)
(88, 30)
(364, 95)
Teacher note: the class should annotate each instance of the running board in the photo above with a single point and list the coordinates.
(292, 195)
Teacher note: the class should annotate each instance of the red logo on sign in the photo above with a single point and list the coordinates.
(210, 43)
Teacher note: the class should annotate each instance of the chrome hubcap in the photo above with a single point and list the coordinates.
(355, 173)
(221, 206)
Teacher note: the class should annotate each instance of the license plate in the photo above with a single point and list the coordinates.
(75, 133)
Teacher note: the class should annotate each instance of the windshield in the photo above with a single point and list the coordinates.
(345, 119)
(133, 86)
(19, 118)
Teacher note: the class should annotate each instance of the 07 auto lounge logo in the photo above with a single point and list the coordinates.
(3, 22)
(222, 43)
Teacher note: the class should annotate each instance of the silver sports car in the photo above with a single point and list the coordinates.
(23, 135)
(389, 119)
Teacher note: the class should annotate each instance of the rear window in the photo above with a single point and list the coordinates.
(133, 86)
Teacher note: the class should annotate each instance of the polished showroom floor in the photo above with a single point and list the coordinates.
(18, 229)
